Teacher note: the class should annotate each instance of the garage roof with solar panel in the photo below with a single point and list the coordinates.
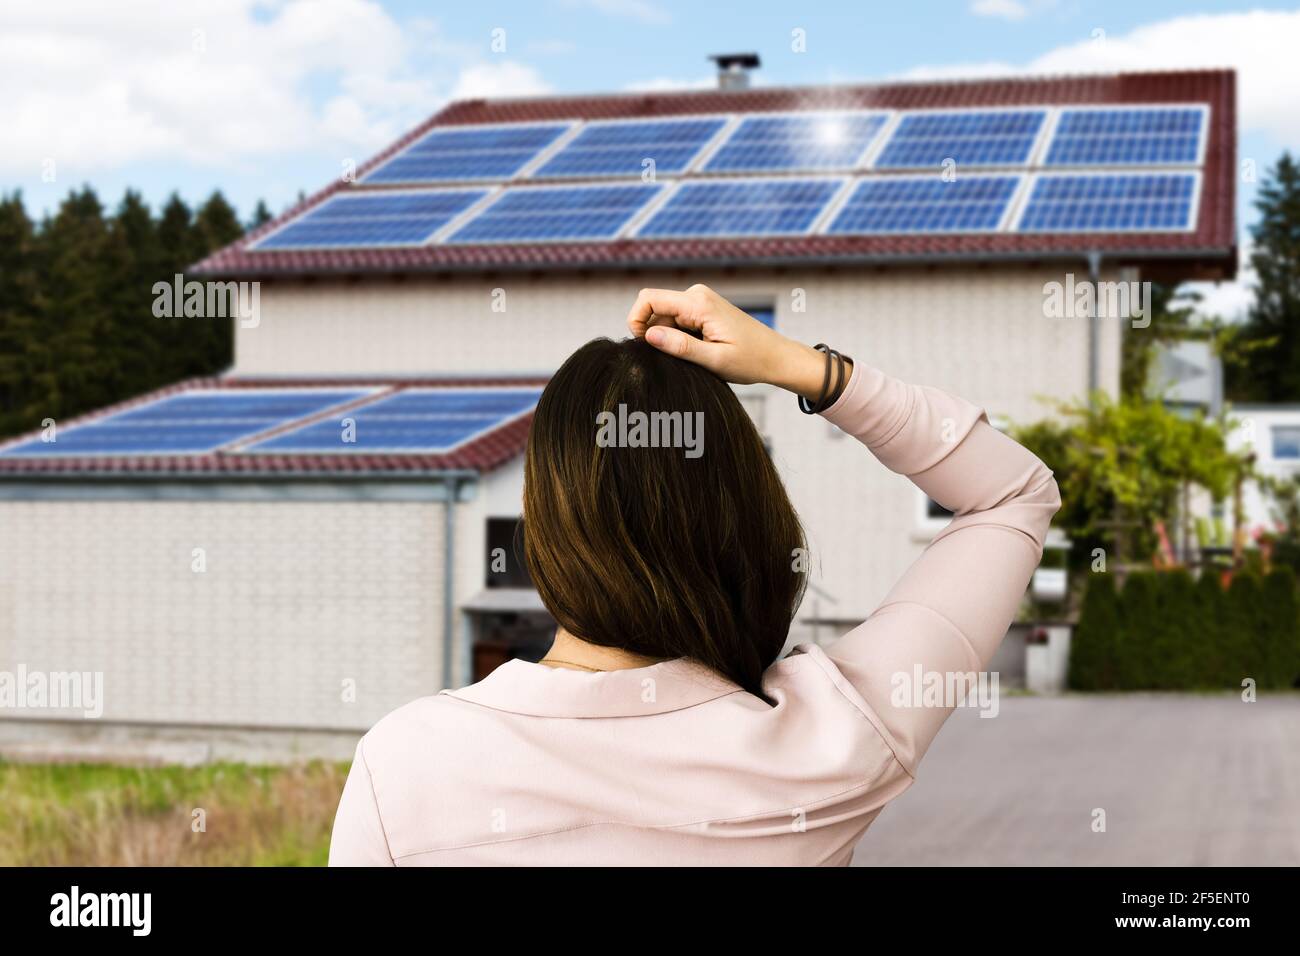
(1076, 169)
(254, 427)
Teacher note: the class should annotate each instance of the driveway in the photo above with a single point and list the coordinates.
(1184, 780)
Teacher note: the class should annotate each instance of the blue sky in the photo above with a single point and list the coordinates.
(263, 98)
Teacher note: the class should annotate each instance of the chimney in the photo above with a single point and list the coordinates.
(733, 69)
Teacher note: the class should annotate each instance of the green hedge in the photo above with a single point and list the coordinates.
(1168, 631)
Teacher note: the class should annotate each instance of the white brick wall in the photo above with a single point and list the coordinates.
(297, 597)
(979, 333)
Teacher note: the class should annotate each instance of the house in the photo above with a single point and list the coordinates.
(244, 576)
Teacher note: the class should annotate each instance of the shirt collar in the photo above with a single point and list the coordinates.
(535, 690)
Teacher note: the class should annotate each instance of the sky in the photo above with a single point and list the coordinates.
(263, 99)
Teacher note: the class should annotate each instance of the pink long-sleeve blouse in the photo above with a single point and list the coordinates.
(672, 764)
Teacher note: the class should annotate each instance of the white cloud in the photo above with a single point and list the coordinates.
(1001, 9)
(221, 83)
(1260, 45)
(502, 79)
(643, 11)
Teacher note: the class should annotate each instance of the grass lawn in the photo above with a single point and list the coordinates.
(103, 815)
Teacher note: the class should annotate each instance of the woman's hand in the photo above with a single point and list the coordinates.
(730, 344)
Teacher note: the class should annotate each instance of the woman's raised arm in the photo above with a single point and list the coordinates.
(952, 607)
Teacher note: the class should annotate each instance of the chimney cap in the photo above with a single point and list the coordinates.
(729, 61)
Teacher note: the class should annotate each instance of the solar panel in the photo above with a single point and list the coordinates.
(622, 149)
(1111, 202)
(374, 219)
(557, 213)
(765, 207)
(929, 204)
(414, 420)
(969, 138)
(1127, 137)
(468, 153)
(192, 422)
(797, 142)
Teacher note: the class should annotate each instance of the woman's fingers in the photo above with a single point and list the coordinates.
(651, 304)
(683, 345)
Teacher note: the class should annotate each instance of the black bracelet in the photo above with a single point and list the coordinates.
(828, 396)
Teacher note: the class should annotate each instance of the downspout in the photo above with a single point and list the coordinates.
(451, 482)
(1094, 326)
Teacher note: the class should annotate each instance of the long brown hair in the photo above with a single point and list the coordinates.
(647, 548)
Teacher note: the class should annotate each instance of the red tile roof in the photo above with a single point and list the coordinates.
(482, 454)
(1208, 252)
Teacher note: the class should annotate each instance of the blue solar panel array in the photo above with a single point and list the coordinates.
(416, 420)
(796, 142)
(1127, 137)
(623, 149)
(968, 138)
(192, 422)
(741, 208)
(374, 219)
(1137, 202)
(707, 192)
(468, 153)
(925, 205)
(557, 214)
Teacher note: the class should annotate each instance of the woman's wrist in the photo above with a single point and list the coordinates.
(801, 369)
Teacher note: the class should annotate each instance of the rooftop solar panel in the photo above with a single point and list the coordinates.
(566, 213)
(1128, 137)
(797, 142)
(416, 420)
(373, 219)
(623, 149)
(1111, 202)
(929, 204)
(467, 154)
(765, 207)
(967, 137)
(193, 422)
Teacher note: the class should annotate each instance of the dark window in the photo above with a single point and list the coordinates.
(764, 313)
(505, 554)
(1286, 441)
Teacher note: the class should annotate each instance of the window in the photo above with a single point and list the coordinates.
(505, 554)
(764, 313)
(1286, 442)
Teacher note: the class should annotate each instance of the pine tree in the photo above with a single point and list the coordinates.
(1273, 372)
(26, 360)
(78, 323)
(135, 259)
(215, 225)
(261, 216)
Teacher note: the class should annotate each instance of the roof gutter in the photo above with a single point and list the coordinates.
(747, 263)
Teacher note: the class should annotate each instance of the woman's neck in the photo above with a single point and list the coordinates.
(573, 653)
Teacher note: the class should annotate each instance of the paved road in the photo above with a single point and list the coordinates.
(1185, 780)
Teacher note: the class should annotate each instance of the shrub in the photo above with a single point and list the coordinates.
(1166, 631)
(1209, 632)
(1139, 619)
(1242, 621)
(1278, 638)
(1094, 647)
